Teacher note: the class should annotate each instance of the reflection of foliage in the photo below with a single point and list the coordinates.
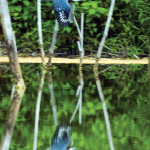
(129, 30)
(126, 94)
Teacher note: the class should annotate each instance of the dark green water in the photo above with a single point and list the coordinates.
(126, 92)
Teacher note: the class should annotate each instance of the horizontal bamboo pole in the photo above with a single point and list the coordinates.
(77, 60)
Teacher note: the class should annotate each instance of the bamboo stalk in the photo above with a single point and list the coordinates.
(37, 112)
(97, 79)
(81, 50)
(81, 81)
(89, 60)
(101, 44)
(19, 86)
(10, 41)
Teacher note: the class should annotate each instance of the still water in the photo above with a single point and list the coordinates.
(126, 91)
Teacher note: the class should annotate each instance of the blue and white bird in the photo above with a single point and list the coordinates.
(64, 11)
(62, 139)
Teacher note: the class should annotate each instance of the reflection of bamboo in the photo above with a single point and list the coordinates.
(53, 99)
(51, 52)
(95, 68)
(15, 67)
(80, 87)
(87, 60)
(100, 92)
(37, 112)
(75, 111)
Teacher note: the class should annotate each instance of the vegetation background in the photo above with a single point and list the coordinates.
(128, 35)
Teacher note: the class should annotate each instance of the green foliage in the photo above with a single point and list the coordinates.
(129, 29)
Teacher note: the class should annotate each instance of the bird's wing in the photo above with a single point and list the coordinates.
(61, 9)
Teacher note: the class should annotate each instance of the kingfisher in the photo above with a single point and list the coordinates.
(62, 139)
(64, 11)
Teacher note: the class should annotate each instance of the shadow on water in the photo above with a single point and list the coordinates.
(126, 94)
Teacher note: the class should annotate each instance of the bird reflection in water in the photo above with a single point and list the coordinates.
(62, 139)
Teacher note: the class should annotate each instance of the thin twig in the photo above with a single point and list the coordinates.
(136, 56)
(105, 69)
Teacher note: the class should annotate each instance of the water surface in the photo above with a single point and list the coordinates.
(126, 92)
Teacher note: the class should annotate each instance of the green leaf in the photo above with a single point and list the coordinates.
(26, 3)
(92, 11)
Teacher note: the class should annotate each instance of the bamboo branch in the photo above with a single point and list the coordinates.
(101, 44)
(19, 86)
(87, 60)
(79, 32)
(51, 50)
(40, 29)
(82, 35)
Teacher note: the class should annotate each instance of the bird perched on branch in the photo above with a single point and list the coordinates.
(64, 11)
